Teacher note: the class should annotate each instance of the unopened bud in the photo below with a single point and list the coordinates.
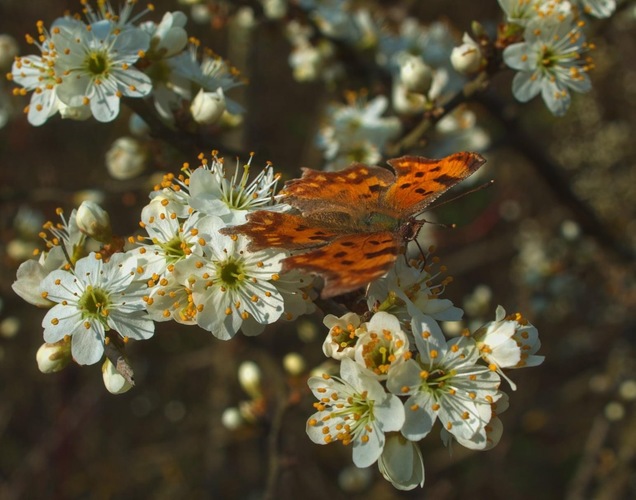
(114, 381)
(76, 113)
(231, 418)
(126, 158)
(208, 107)
(294, 364)
(274, 9)
(53, 358)
(416, 75)
(94, 221)
(466, 59)
(249, 375)
(478, 29)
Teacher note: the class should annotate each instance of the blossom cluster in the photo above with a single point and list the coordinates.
(425, 64)
(399, 371)
(86, 66)
(179, 268)
(545, 42)
(399, 374)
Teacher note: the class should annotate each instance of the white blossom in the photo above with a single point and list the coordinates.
(354, 409)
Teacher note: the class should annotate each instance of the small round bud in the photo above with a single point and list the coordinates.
(627, 390)
(9, 327)
(614, 411)
(294, 364)
(114, 381)
(250, 376)
(231, 418)
(126, 158)
(76, 113)
(8, 50)
(416, 75)
(53, 358)
(200, 13)
(466, 59)
(208, 107)
(94, 221)
(244, 17)
(354, 480)
(274, 9)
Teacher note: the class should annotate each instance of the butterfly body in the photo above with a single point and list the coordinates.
(350, 226)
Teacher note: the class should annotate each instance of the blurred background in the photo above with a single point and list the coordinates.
(554, 238)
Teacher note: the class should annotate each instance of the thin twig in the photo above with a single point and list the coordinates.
(413, 137)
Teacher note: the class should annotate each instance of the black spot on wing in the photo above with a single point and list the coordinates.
(447, 180)
(385, 251)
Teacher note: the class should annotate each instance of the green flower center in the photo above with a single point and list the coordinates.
(95, 303)
(231, 273)
(97, 63)
(175, 249)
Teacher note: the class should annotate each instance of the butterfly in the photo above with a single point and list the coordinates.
(350, 226)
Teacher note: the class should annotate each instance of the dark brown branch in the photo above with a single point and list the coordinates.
(189, 143)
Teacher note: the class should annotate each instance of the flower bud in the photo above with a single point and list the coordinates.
(126, 158)
(249, 375)
(416, 75)
(94, 221)
(466, 59)
(294, 364)
(76, 113)
(170, 38)
(207, 107)
(231, 418)
(8, 50)
(274, 9)
(200, 13)
(10, 326)
(52, 358)
(114, 381)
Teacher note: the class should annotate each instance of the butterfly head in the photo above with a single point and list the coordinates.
(411, 228)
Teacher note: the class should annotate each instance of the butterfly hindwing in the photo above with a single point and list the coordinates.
(420, 181)
(281, 230)
(349, 261)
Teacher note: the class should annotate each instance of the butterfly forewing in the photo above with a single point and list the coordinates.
(420, 181)
(355, 190)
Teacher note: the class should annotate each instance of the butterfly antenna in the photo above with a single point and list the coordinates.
(465, 193)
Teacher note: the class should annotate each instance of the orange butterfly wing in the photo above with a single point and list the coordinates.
(281, 230)
(355, 190)
(349, 262)
(332, 212)
(420, 181)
